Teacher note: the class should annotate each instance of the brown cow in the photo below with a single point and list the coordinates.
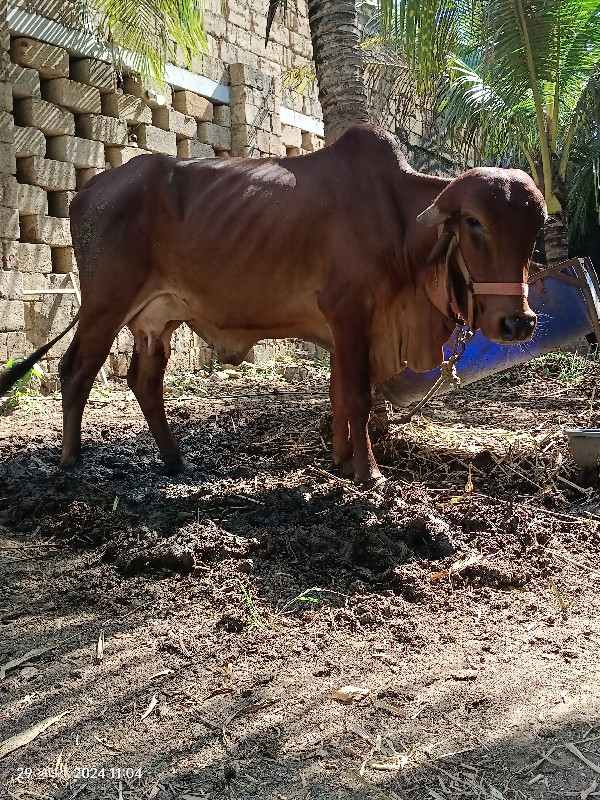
(348, 248)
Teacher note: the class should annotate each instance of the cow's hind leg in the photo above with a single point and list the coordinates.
(78, 368)
(145, 379)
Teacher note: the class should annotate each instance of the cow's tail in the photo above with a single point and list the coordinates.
(10, 376)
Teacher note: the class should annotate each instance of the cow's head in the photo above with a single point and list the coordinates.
(488, 220)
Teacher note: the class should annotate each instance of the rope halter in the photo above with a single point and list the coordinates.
(476, 288)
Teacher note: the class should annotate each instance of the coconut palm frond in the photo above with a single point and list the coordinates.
(145, 34)
(528, 71)
(580, 44)
(426, 33)
(482, 123)
(274, 5)
(301, 78)
(390, 88)
(584, 190)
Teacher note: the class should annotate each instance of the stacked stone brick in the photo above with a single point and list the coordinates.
(236, 35)
(12, 316)
(255, 117)
(64, 118)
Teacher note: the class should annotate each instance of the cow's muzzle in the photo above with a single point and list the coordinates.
(518, 328)
(515, 328)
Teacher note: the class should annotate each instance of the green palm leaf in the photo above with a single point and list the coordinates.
(584, 194)
(516, 71)
(146, 34)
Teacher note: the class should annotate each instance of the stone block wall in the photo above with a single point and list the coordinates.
(65, 116)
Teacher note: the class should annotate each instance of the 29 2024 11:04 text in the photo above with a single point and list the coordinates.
(80, 772)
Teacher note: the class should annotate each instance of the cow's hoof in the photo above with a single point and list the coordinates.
(176, 467)
(371, 480)
(346, 468)
(72, 462)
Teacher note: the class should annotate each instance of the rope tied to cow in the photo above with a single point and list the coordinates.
(448, 375)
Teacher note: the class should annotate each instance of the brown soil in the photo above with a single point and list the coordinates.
(195, 627)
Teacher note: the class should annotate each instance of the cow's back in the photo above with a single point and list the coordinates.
(248, 244)
(240, 212)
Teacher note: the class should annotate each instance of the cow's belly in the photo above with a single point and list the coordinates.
(161, 314)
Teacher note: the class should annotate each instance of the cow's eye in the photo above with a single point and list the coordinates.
(472, 222)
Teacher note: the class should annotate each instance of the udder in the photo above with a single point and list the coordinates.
(156, 322)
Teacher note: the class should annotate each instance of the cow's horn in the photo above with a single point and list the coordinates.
(432, 216)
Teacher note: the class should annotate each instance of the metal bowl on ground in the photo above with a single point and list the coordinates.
(584, 444)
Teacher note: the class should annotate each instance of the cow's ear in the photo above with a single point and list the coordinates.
(432, 216)
(440, 248)
(436, 286)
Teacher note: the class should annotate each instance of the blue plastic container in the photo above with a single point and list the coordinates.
(567, 303)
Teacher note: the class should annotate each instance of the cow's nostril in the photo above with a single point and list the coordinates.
(508, 328)
(515, 329)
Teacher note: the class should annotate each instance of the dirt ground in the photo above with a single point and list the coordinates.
(183, 637)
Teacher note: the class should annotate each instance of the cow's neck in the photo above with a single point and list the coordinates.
(408, 329)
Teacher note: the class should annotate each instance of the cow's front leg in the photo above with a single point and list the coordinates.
(353, 396)
(342, 444)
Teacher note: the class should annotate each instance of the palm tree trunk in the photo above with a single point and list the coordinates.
(338, 65)
(555, 240)
(340, 78)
